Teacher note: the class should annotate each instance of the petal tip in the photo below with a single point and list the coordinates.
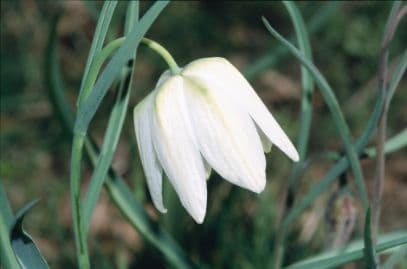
(199, 216)
(260, 187)
(294, 155)
(162, 209)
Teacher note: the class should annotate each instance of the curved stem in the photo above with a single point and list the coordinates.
(163, 52)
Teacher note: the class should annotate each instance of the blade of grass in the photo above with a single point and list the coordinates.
(397, 76)
(7, 256)
(353, 252)
(114, 128)
(396, 258)
(393, 144)
(27, 253)
(369, 249)
(396, 15)
(97, 63)
(99, 37)
(5, 208)
(274, 55)
(307, 81)
(304, 127)
(336, 113)
(52, 78)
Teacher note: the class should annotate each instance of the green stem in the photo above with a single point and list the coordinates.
(175, 69)
(112, 47)
(80, 238)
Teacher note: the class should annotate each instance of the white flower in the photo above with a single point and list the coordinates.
(206, 117)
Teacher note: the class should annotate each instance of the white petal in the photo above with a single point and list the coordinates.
(164, 76)
(226, 135)
(241, 91)
(176, 147)
(152, 169)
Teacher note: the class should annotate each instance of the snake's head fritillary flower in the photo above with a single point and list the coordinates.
(206, 117)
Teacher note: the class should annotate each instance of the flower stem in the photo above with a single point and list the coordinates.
(175, 69)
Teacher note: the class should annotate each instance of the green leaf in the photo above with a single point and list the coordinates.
(114, 67)
(352, 252)
(7, 256)
(369, 250)
(5, 209)
(397, 75)
(98, 40)
(397, 257)
(26, 251)
(53, 80)
(307, 81)
(335, 110)
(397, 142)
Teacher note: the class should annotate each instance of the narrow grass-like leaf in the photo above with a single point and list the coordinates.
(353, 252)
(274, 55)
(397, 142)
(306, 79)
(27, 253)
(114, 67)
(97, 63)
(113, 131)
(5, 209)
(53, 80)
(399, 257)
(98, 40)
(132, 16)
(369, 249)
(336, 113)
(7, 256)
(397, 75)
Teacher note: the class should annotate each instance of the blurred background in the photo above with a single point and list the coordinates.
(239, 229)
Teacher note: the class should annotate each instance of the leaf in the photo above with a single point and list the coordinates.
(98, 39)
(369, 250)
(5, 209)
(7, 257)
(53, 80)
(353, 252)
(27, 253)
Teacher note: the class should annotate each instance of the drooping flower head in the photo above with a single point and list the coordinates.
(206, 117)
